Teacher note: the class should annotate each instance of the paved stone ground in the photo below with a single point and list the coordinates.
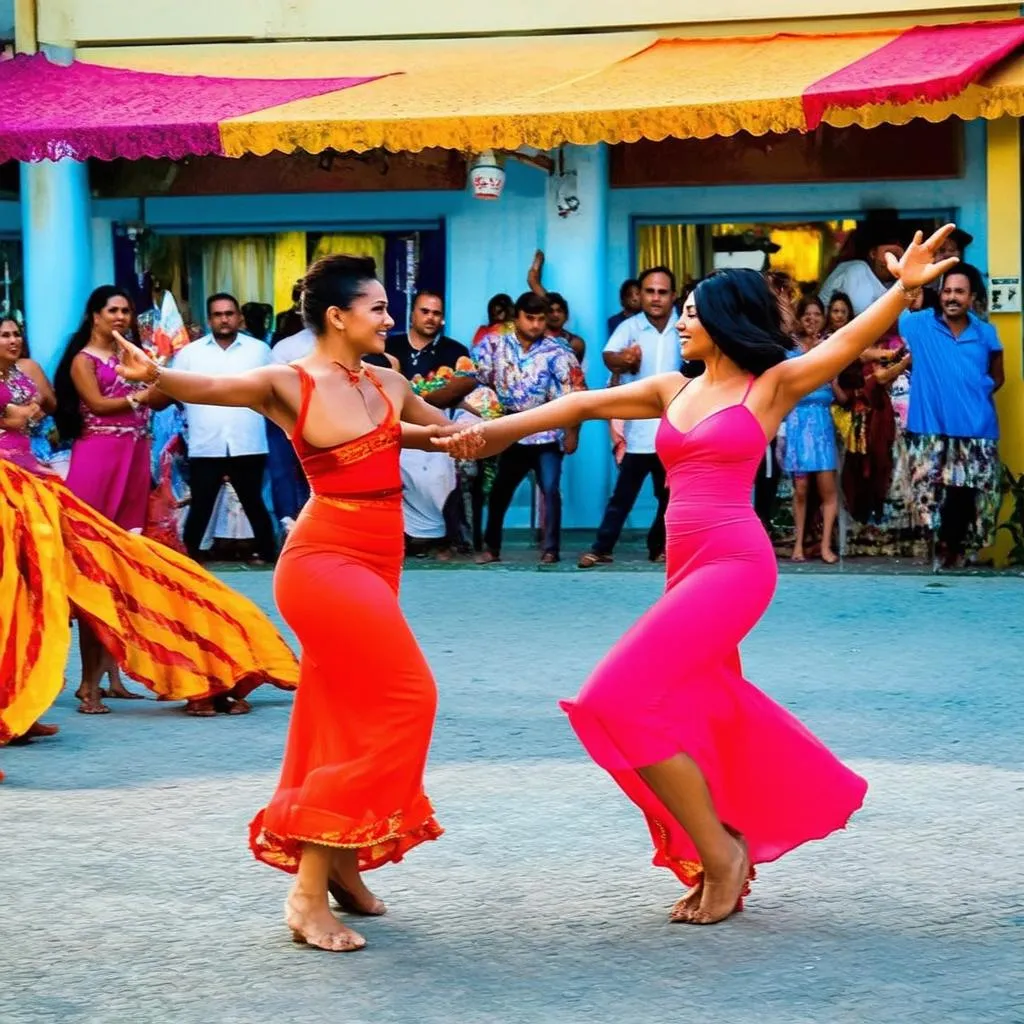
(127, 893)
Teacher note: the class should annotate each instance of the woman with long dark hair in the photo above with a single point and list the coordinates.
(106, 421)
(166, 622)
(725, 777)
(350, 797)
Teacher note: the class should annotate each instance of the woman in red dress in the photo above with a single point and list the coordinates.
(350, 797)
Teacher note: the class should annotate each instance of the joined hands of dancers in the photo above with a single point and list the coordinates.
(725, 778)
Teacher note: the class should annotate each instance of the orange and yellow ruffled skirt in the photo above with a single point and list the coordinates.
(168, 623)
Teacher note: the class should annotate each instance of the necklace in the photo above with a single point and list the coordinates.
(353, 376)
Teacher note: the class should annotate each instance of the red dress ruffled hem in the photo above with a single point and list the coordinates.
(386, 841)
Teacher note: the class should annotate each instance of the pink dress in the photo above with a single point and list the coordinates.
(110, 468)
(673, 684)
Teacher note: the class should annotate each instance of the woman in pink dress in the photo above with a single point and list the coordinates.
(107, 421)
(725, 777)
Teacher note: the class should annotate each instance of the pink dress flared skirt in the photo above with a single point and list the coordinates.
(674, 684)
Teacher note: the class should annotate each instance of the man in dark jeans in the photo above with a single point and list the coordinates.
(226, 443)
(527, 370)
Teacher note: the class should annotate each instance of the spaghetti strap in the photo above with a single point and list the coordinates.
(686, 384)
(382, 391)
(750, 384)
(308, 386)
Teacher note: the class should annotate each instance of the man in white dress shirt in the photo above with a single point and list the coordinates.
(640, 347)
(226, 443)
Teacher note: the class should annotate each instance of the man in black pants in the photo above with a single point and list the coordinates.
(226, 444)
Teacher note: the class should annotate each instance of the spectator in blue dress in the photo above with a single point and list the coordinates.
(952, 426)
(810, 448)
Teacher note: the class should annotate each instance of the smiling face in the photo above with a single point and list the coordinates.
(10, 342)
(366, 322)
(956, 297)
(695, 342)
(812, 320)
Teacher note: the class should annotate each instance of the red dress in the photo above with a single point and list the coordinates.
(352, 776)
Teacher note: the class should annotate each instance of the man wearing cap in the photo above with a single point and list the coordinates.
(865, 280)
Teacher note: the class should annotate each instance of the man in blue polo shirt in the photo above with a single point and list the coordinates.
(952, 427)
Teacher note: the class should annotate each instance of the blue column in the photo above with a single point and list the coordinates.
(56, 238)
(576, 250)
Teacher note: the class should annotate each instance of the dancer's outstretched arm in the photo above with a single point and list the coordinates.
(642, 400)
(253, 389)
(795, 378)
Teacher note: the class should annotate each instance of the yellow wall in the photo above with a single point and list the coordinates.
(1004, 260)
(65, 22)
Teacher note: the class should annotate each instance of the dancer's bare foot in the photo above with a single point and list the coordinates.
(684, 909)
(349, 890)
(725, 885)
(35, 731)
(797, 556)
(202, 708)
(829, 557)
(312, 924)
(486, 558)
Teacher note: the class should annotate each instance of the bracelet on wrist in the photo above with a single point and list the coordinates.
(909, 294)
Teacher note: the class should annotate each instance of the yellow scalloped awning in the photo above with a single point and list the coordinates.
(503, 93)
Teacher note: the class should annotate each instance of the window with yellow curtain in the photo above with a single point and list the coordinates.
(352, 245)
(676, 246)
(241, 265)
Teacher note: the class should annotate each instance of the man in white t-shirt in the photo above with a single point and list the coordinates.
(226, 443)
(641, 346)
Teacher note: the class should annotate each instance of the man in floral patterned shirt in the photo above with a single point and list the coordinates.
(527, 370)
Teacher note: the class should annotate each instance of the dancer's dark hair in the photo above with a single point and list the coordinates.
(334, 281)
(68, 416)
(741, 314)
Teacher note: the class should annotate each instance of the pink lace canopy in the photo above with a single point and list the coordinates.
(50, 111)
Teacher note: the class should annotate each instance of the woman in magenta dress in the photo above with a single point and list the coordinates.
(107, 421)
(725, 777)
